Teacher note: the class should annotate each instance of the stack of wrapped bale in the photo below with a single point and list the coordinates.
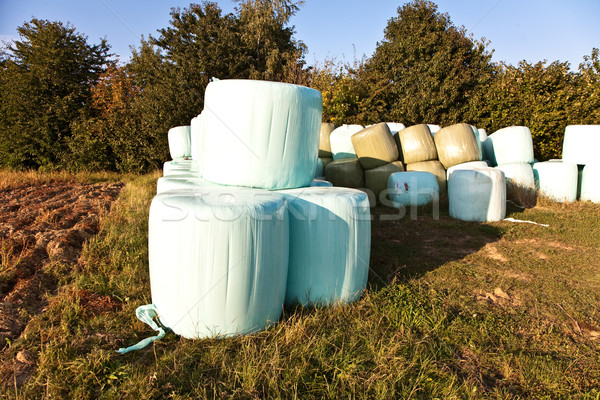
(511, 151)
(231, 242)
(419, 153)
(580, 148)
(378, 156)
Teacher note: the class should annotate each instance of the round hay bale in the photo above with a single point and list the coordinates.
(417, 144)
(341, 141)
(509, 145)
(270, 129)
(581, 144)
(556, 180)
(346, 172)
(180, 142)
(330, 241)
(218, 260)
(590, 183)
(375, 146)
(456, 144)
(477, 195)
(435, 167)
(412, 188)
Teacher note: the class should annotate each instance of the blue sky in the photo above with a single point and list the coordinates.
(528, 29)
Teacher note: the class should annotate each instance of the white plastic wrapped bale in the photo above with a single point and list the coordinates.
(456, 144)
(260, 134)
(518, 174)
(395, 127)
(590, 183)
(195, 137)
(509, 145)
(218, 260)
(324, 143)
(467, 165)
(180, 183)
(482, 134)
(330, 242)
(412, 188)
(417, 144)
(180, 145)
(556, 180)
(581, 144)
(341, 142)
(320, 183)
(433, 128)
(477, 195)
(375, 146)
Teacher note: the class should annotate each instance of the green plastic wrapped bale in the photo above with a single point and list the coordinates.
(435, 167)
(416, 144)
(325, 161)
(345, 172)
(218, 260)
(376, 179)
(330, 242)
(324, 143)
(375, 146)
(456, 144)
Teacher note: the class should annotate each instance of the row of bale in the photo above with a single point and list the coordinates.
(392, 162)
(240, 227)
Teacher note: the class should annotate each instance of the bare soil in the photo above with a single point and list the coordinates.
(41, 227)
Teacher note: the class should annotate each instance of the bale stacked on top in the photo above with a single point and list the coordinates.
(324, 141)
(341, 142)
(456, 144)
(180, 142)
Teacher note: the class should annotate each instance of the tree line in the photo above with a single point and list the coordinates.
(68, 104)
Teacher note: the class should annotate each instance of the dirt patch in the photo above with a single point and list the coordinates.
(499, 297)
(492, 252)
(44, 225)
(553, 244)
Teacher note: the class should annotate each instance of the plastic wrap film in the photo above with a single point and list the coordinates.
(218, 260)
(456, 144)
(325, 161)
(433, 128)
(180, 145)
(269, 128)
(320, 172)
(375, 146)
(477, 195)
(395, 127)
(376, 179)
(324, 143)
(509, 145)
(341, 141)
(435, 167)
(581, 144)
(330, 242)
(346, 172)
(179, 183)
(417, 144)
(412, 188)
(518, 174)
(590, 183)
(467, 165)
(478, 141)
(320, 183)
(556, 180)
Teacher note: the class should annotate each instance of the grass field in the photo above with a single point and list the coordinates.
(453, 310)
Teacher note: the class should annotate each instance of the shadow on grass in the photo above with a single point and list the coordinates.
(408, 247)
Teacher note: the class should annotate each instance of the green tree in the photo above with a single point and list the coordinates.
(425, 70)
(45, 83)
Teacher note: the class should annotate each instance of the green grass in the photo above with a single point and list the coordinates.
(454, 310)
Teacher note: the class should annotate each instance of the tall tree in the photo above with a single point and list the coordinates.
(425, 70)
(45, 83)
